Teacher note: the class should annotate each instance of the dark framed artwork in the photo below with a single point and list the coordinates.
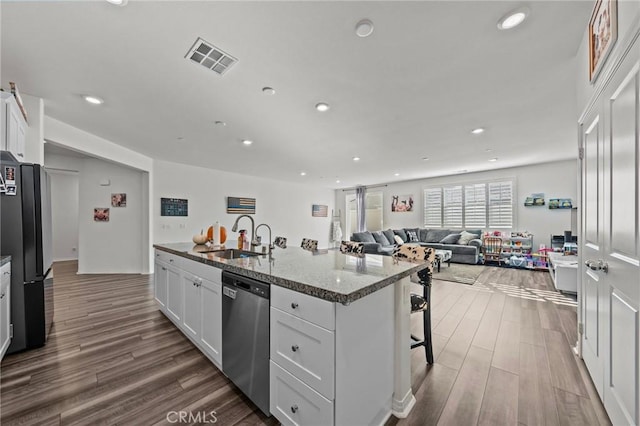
(101, 214)
(603, 33)
(174, 207)
(119, 200)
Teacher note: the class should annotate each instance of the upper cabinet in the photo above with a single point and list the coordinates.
(13, 127)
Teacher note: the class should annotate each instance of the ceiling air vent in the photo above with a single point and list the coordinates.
(211, 57)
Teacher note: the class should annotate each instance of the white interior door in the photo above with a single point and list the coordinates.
(592, 241)
(611, 244)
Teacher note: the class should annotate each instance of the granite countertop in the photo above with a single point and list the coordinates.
(326, 274)
(4, 259)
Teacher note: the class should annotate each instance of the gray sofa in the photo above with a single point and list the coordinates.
(383, 242)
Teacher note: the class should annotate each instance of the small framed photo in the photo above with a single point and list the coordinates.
(119, 200)
(603, 33)
(101, 214)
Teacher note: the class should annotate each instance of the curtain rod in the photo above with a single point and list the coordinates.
(365, 186)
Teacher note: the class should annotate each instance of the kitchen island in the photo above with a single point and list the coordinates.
(339, 326)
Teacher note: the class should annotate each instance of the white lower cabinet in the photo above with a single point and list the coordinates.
(295, 403)
(160, 284)
(5, 308)
(190, 294)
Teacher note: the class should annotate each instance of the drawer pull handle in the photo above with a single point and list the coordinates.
(294, 305)
(171, 260)
(2, 296)
(164, 269)
(294, 409)
(295, 348)
(157, 255)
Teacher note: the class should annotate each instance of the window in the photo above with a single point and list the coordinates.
(471, 205)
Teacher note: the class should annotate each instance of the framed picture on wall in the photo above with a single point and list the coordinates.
(119, 200)
(101, 214)
(603, 33)
(401, 203)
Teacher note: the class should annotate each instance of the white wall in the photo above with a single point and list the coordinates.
(117, 246)
(286, 207)
(64, 212)
(555, 180)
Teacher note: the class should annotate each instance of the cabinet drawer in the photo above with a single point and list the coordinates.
(304, 349)
(294, 403)
(168, 258)
(207, 272)
(318, 311)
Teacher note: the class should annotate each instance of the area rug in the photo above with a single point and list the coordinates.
(459, 273)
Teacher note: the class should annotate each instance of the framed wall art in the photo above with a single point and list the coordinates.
(603, 33)
(241, 205)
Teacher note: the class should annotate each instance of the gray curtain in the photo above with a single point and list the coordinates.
(361, 208)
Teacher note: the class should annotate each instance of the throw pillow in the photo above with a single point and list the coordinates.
(465, 237)
(401, 234)
(389, 234)
(380, 238)
(398, 240)
(450, 239)
(413, 236)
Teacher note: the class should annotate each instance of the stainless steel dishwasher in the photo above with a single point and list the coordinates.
(245, 336)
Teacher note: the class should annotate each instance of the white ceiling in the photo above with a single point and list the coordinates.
(430, 73)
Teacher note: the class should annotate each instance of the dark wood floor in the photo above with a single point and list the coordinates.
(502, 347)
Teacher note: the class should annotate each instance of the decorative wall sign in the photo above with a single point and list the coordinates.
(119, 200)
(241, 205)
(401, 203)
(319, 210)
(174, 207)
(101, 214)
(560, 203)
(603, 33)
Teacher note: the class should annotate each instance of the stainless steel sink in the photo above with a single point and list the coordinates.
(231, 253)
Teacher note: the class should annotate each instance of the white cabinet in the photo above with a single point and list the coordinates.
(174, 294)
(190, 294)
(160, 284)
(5, 308)
(14, 127)
(331, 363)
(211, 314)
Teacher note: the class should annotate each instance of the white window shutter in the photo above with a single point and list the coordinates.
(452, 207)
(500, 205)
(433, 207)
(475, 206)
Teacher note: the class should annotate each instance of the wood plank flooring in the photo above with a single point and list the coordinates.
(503, 356)
(113, 358)
(502, 347)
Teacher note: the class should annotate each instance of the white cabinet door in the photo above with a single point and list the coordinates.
(211, 309)
(174, 294)
(16, 131)
(160, 284)
(5, 308)
(191, 292)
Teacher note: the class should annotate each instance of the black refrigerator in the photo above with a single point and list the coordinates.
(25, 216)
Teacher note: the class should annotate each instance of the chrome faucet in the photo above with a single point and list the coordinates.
(270, 243)
(253, 229)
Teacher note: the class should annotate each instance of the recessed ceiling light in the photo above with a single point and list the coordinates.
(397, 174)
(180, 138)
(93, 99)
(364, 28)
(303, 173)
(322, 107)
(493, 159)
(220, 123)
(488, 150)
(477, 131)
(337, 180)
(269, 90)
(356, 158)
(513, 19)
(118, 2)
(247, 142)
(425, 158)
